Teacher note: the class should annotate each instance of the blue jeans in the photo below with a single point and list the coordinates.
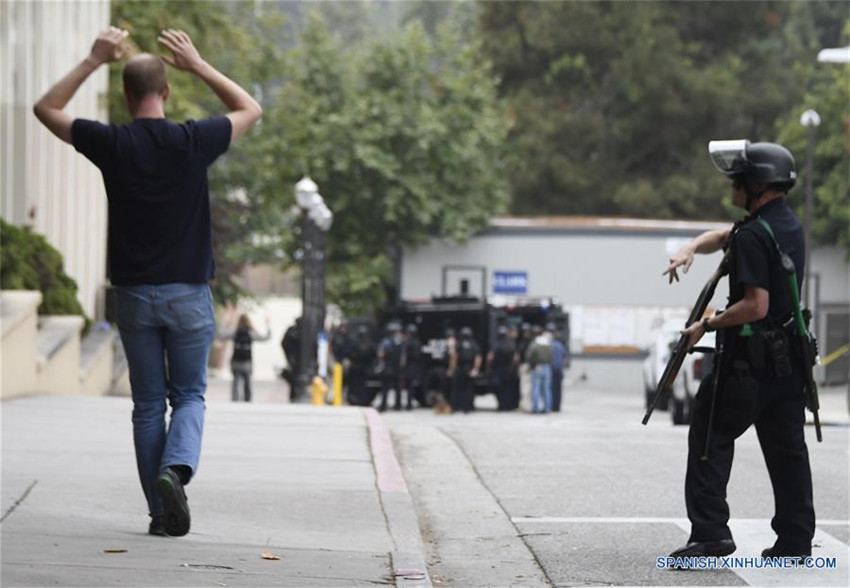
(541, 388)
(167, 331)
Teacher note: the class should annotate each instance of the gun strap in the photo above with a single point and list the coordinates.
(792, 280)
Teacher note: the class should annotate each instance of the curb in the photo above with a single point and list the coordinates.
(408, 556)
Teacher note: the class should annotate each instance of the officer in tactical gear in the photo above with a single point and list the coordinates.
(503, 363)
(341, 343)
(761, 377)
(391, 354)
(291, 345)
(362, 359)
(468, 363)
(447, 365)
(412, 362)
(524, 341)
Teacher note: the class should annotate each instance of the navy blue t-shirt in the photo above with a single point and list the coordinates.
(755, 258)
(155, 173)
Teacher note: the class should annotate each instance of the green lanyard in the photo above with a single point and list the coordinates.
(791, 274)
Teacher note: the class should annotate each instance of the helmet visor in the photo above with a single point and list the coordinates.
(729, 157)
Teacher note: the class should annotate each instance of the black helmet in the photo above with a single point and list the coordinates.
(762, 163)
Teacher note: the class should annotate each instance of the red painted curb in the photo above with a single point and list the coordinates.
(388, 471)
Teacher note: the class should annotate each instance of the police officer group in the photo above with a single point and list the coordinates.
(454, 367)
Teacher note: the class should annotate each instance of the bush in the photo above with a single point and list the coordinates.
(29, 262)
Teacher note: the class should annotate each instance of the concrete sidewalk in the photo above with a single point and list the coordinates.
(317, 487)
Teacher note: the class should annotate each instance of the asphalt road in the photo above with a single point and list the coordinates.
(591, 497)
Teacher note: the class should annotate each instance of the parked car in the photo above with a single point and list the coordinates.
(656, 360)
(694, 368)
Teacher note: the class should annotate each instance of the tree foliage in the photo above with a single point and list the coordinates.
(615, 102)
(423, 119)
(830, 98)
(402, 135)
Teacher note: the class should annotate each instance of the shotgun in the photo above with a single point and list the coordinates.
(678, 356)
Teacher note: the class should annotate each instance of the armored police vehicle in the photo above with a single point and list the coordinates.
(437, 318)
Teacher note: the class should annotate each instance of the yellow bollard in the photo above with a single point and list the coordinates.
(319, 389)
(337, 384)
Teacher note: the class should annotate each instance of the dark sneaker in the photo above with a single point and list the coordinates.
(156, 527)
(175, 516)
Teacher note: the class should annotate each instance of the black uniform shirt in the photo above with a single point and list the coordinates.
(755, 261)
(467, 351)
(503, 354)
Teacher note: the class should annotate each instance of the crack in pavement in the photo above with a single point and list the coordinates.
(18, 501)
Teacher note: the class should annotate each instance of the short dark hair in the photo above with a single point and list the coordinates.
(145, 74)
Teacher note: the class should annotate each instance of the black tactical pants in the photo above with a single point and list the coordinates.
(463, 395)
(356, 379)
(779, 421)
(396, 383)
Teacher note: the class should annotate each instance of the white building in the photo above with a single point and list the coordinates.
(607, 273)
(44, 182)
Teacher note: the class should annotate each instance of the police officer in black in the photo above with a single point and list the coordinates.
(446, 365)
(502, 363)
(758, 383)
(468, 363)
(362, 355)
(391, 353)
(341, 342)
(412, 362)
(291, 345)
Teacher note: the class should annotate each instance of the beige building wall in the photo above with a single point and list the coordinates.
(44, 182)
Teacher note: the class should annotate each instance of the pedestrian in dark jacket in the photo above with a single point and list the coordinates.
(241, 361)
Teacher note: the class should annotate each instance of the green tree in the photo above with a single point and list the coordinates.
(615, 102)
(404, 137)
(830, 98)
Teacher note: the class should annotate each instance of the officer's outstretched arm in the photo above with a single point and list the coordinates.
(708, 242)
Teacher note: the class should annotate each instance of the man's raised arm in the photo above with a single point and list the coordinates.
(108, 47)
(244, 110)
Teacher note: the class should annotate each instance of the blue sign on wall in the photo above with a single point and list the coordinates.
(510, 282)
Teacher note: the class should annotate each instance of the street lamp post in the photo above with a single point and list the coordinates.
(810, 120)
(316, 220)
